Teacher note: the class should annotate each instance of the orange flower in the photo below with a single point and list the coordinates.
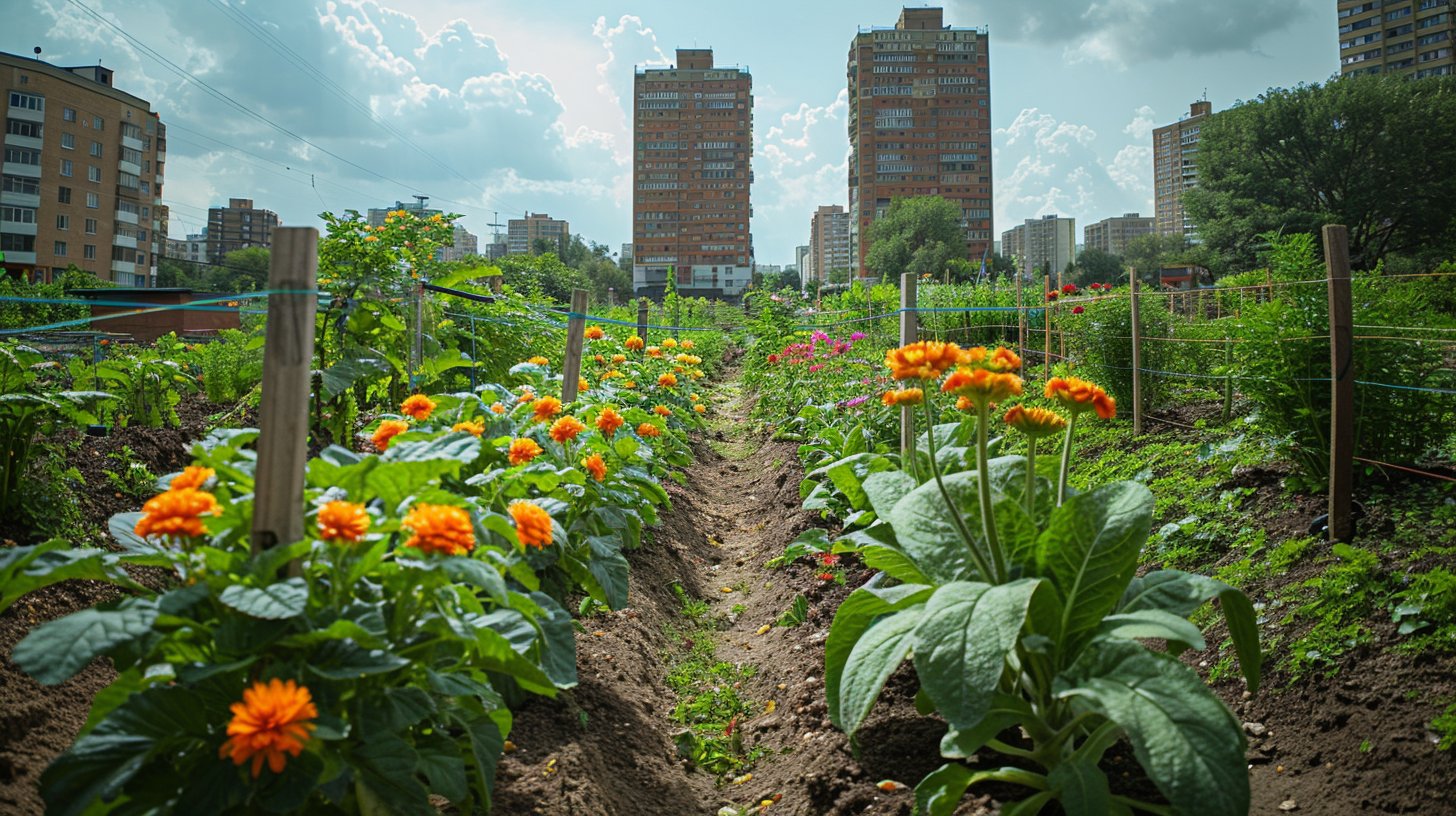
(1035, 422)
(702, 409)
(964, 404)
(497, 408)
(609, 421)
(545, 408)
(923, 360)
(654, 351)
(418, 406)
(687, 344)
(523, 450)
(177, 512)
(618, 359)
(387, 430)
(669, 343)
(274, 719)
(634, 343)
(595, 466)
(342, 521)
(662, 410)
(192, 476)
(981, 385)
(907, 396)
(693, 397)
(582, 384)
(594, 333)
(475, 427)
(648, 429)
(565, 429)
(440, 528)
(533, 525)
(538, 360)
(667, 380)
(999, 360)
(629, 384)
(1078, 395)
(601, 360)
(525, 397)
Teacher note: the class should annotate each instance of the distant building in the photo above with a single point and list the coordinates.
(1042, 244)
(466, 244)
(801, 260)
(1112, 234)
(496, 249)
(920, 123)
(626, 256)
(522, 233)
(417, 208)
(82, 175)
(692, 125)
(829, 247)
(1175, 169)
(192, 249)
(239, 225)
(1408, 37)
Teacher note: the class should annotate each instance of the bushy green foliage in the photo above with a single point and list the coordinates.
(18, 314)
(231, 365)
(1099, 341)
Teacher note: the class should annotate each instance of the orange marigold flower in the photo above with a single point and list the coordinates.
(609, 421)
(907, 396)
(475, 427)
(192, 476)
(545, 408)
(648, 429)
(669, 343)
(702, 409)
(654, 351)
(601, 360)
(618, 359)
(538, 360)
(533, 525)
(1077, 395)
(964, 404)
(668, 380)
(923, 360)
(440, 528)
(999, 360)
(582, 384)
(687, 344)
(634, 343)
(595, 466)
(566, 428)
(594, 333)
(662, 410)
(177, 512)
(273, 720)
(525, 397)
(418, 406)
(523, 450)
(693, 397)
(629, 384)
(1035, 422)
(342, 521)
(497, 408)
(981, 385)
(388, 430)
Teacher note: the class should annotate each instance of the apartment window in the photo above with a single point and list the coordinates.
(60, 249)
(1432, 39)
(22, 155)
(96, 149)
(1397, 14)
(19, 215)
(93, 173)
(27, 101)
(68, 141)
(63, 221)
(21, 184)
(93, 201)
(22, 127)
(1434, 20)
(97, 123)
(68, 114)
(90, 226)
(89, 252)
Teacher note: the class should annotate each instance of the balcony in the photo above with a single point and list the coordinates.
(20, 199)
(127, 217)
(18, 228)
(129, 167)
(123, 267)
(25, 113)
(18, 169)
(19, 257)
(16, 140)
(134, 144)
(128, 241)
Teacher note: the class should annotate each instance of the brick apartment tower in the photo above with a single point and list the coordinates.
(1175, 169)
(692, 129)
(920, 122)
(239, 225)
(82, 177)
(1408, 37)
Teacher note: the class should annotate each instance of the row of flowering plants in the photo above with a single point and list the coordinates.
(374, 662)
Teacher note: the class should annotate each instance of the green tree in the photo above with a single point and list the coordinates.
(242, 270)
(1149, 253)
(839, 274)
(543, 275)
(917, 235)
(1097, 266)
(1371, 152)
(177, 272)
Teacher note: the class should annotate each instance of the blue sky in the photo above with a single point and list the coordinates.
(493, 106)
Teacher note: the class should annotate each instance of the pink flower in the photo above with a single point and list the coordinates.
(856, 337)
(815, 367)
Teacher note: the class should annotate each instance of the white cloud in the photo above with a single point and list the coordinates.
(1142, 124)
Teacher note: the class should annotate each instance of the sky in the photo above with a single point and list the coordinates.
(490, 106)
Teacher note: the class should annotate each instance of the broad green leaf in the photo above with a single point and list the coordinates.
(386, 766)
(852, 618)
(477, 574)
(1081, 787)
(26, 569)
(487, 740)
(1152, 623)
(961, 644)
(848, 476)
(610, 568)
(341, 376)
(926, 530)
(885, 488)
(458, 446)
(893, 563)
(1005, 712)
(346, 660)
(1182, 593)
(1089, 550)
(285, 599)
(443, 766)
(941, 791)
(56, 650)
(558, 641)
(495, 653)
(875, 656)
(1188, 742)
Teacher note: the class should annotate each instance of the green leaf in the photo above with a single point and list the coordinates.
(926, 530)
(1005, 712)
(345, 660)
(875, 656)
(386, 766)
(1090, 549)
(26, 569)
(486, 743)
(1081, 787)
(852, 618)
(557, 654)
(886, 488)
(1030, 806)
(285, 599)
(1188, 742)
(56, 650)
(893, 563)
(1152, 623)
(1183, 593)
(610, 568)
(477, 574)
(341, 376)
(961, 645)
(940, 792)
(848, 476)
(443, 766)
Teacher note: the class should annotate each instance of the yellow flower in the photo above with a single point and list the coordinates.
(687, 344)
(1035, 422)
(539, 360)
(662, 410)
(669, 343)
(654, 351)
(618, 359)
(693, 397)
(595, 466)
(1078, 395)
(702, 409)
(475, 427)
(923, 360)
(192, 476)
(273, 722)
(177, 512)
(523, 450)
(999, 360)
(565, 429)
(418, 406)
(342, 521)
(533, 524)
(545, 408)
(609, 421)
(497, 408)
(387, 430)
(582, 384)
(629, 384)
(667, 380)
(907, 396)
(439, 528)
(634, 343)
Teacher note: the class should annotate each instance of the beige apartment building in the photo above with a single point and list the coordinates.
(1175, 169)
(1408, 37)
(239, 225)
(1042, 244)
(82, 175)
(828, 244)
(1112, 234)
(522, 233)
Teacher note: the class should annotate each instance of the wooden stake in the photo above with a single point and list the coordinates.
(1137, 359)
(417, 351)
(1046, 328)
(1342, 384)
(1228, 379)
(642, 319)
(283, 411)
(908, 331)
(575, 332)
(1020, 320)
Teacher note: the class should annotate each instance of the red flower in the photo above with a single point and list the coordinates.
(826, 576)
(1069, 289)
(1077, 310)
(828, 559)
(773, 358)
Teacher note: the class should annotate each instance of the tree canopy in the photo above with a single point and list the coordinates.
(918, 235)
(1371, 152)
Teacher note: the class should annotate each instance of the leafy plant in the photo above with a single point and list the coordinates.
(32, 406)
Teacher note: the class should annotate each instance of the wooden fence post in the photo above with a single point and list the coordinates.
(1046, 328)
(418, 350)
(642, 319)
(908, 330)
(287, 369)
(1342, 384)
(1137, 358)
(1020, 321)
(1228, 379)
(575, 331)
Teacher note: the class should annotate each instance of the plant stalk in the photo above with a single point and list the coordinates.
(1030, 496)
(988, 569)
(1066, 459)
(983, 488)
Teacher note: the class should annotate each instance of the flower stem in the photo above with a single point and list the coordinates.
(1031, 478)
(987, 569)
(1066, 459)
(983, 486)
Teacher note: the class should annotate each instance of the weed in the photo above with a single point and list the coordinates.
(797, 613)
(710, 703)
(1445, 727)
(1339, 601)
(133, 479)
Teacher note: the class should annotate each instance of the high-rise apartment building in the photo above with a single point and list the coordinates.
(920, 123)
(828, 243)
(1175, 169)
(1042, 245)
(466, 243)
(801, 262)
(239, 225)
(522, 233)
(1112, 234)
(692, 129)
(1410, 37)
(82, 174)
(419, 208)
(193, 249)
